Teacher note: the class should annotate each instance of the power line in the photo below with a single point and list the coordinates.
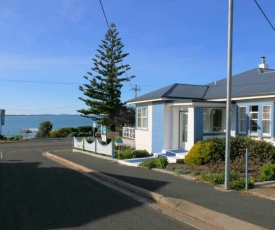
(104, 14)
(264, 14)
(109, 29)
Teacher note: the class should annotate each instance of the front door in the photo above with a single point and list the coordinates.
(183, 129)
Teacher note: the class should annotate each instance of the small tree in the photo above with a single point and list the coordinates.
(44, 129)
(103, 92)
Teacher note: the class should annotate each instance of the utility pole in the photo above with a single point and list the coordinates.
(228, 101)
(136, 89)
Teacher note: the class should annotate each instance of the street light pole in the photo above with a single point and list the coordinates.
(228, 101)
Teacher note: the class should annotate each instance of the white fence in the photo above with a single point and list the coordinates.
(95, 147)
(128, 132)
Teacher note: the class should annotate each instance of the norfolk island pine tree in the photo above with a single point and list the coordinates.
(103, 92)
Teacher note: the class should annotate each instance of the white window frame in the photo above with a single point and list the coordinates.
(208, 120)
(242, 119)
(266, 117)
(253, 117)
(128, 132)
(142, 117)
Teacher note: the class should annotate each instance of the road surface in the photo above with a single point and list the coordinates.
(37, 193)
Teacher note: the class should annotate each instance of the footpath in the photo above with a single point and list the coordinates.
(253, 209)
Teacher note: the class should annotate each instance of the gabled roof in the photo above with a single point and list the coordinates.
(175, 91)
(255, 82)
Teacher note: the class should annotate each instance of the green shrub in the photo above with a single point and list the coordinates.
(237, 184)
(267, 172)
(44, 129)
(233, 175)
(213, 178)
(73, 134)
(85, 129)
(198, 154)
(182, 171)
(125, 154)
(108, 141)
(251, 180)
(217, 150)
(140, 153)
(213, 150)
(82, 134)
(261, 150)
(155, 163)
(15, 138)
(161, 163)
(193, 157)
(89, 140)
(151, 163)
(64, 132)
(218, 178)
(54, 134)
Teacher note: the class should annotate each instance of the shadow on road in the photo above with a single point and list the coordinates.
(151, 185)
(36, 197)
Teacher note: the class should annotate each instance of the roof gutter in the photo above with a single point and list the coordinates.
(244, 98)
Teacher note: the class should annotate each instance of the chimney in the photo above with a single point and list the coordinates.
(263, 65)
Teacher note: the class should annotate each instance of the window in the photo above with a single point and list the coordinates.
(142, 117)
(242, 119)
(253, 119)
(128, 132)
(266, 120)
(213, 120)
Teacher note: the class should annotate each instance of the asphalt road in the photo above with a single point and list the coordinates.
(240, 205)
(37, 193)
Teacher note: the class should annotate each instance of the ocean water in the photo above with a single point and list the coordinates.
(13, 124)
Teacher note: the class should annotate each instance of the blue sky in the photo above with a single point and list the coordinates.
(47, 46)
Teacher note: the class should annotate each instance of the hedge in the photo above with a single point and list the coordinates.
(213, 150)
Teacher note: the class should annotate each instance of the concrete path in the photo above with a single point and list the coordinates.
(227, 209)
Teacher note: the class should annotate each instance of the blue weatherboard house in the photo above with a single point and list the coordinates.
(177, 116)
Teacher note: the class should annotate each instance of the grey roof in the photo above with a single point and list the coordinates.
(182, 91)
(254, 82)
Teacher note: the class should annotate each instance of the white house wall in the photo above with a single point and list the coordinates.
(191, 129)
(168, 127)
(144, 137)
(233, 120)
(175, 127)
(158, 126)
(171, 128)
